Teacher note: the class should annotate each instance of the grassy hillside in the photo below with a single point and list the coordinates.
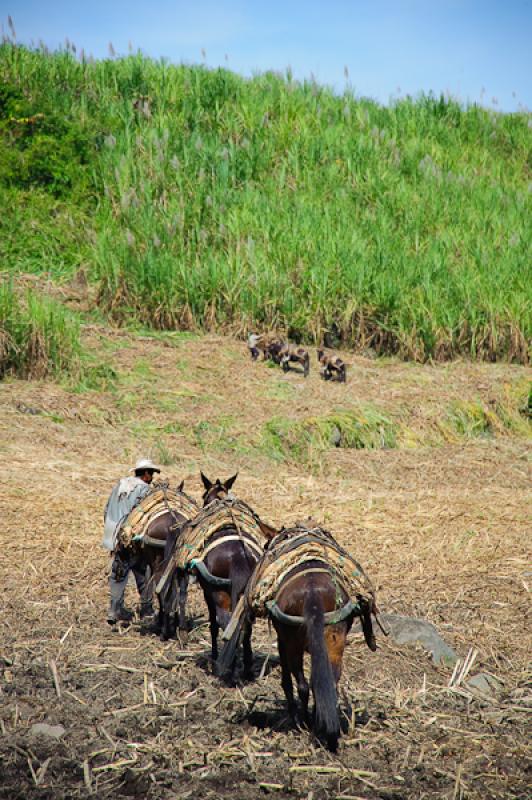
(195, 198)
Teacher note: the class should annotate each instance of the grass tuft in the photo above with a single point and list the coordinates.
(499, 416)
(38, 337)
(362, 428)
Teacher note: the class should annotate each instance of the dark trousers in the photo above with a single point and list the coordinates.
(123, 564)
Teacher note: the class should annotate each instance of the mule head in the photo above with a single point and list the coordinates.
(216, 490)
(268, 531)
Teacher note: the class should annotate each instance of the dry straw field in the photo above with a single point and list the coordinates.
(440, 519)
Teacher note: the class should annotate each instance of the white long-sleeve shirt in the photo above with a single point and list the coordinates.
(127, 493)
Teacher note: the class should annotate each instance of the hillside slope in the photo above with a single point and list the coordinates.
(195, 198)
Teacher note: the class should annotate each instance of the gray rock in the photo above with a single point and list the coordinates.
(408, 630)
(44, 729)
(335, 437)
(484, 684)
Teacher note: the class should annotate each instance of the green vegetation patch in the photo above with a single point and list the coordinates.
(505, 415)
(362, 428)
(470, 419)
(198, 199)
(38, 337)
(218, 434)
(93, 376)
(281, 390)
(165, 454)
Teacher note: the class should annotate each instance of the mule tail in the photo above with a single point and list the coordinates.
(327, 720)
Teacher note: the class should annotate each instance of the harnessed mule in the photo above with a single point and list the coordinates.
(331, 367)
(308, 601)
(286, 354)
(278, 351)
(150, 552)
(228, 554)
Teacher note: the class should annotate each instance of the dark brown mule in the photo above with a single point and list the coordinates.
(286, 354)
(151, 555)
(222, 575)
(311, 612)
(331, 367)
(278, 351)
(303, 601)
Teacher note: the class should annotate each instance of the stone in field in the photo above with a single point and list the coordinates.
(44, 729)
(408, 630)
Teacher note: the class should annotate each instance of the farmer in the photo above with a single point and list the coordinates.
(127, 493)
(253, 340)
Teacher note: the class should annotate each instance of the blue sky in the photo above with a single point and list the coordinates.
(478, 51)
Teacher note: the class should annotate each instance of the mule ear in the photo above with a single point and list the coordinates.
(229, 482)
(268, 530)
(206, 481)
(180, 487)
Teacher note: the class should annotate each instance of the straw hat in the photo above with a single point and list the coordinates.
(143, 464)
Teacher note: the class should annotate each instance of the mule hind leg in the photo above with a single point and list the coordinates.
(213, 625)
(183, 593)
(286, 679)
(303, 689)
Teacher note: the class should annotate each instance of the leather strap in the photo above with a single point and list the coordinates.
(233, 537)
(330, 618)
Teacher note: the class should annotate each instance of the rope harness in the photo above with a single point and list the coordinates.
(160, 500)
(198, 539)
(281, 564)
(294, 547)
